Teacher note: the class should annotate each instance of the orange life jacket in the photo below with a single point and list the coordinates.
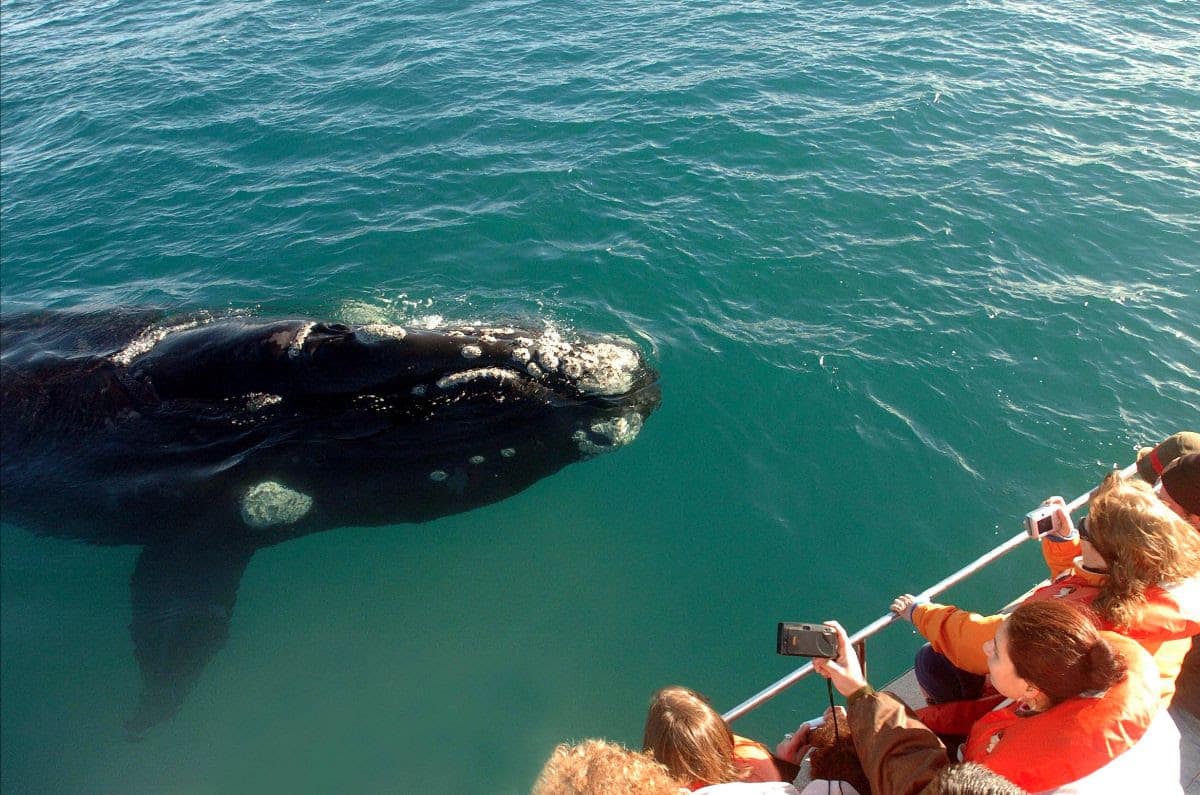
(1073, 738)
(1165, 625)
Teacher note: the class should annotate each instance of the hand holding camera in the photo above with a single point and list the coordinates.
(1050, 518)
(844, 671)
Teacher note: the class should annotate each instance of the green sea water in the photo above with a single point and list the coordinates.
(905, 268)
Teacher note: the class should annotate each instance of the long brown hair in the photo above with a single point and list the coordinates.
(1056, 647)
(686, 734)
(1142, 541)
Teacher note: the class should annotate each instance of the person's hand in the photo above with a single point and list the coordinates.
(845, 671)
(794, 746)
(1061, 524)
(904, 605)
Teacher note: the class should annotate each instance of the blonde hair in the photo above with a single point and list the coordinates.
(598, 767)
(687, 735)
(1143, 542)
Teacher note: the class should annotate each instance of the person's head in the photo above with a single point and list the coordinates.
(834, 756)
(1047, 652)
(687, 735)
(598, 767)
(1180, 488)
(1142, 542)
(1151, 461)
(970, 778)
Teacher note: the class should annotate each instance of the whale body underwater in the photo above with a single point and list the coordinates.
(203, 439)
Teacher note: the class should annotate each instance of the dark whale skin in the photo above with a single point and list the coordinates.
(203, 439)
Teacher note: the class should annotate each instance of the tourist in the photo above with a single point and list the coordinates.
(1074, 703)
(1134, 563)
(1179, 488)
(1152, 461)
(696, 745)
(598, 767)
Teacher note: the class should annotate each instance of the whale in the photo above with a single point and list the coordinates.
(205, 437)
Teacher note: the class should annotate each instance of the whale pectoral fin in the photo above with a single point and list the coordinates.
(182, 603)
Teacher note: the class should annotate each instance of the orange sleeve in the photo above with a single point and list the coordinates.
(957, 634)
(1060, 555)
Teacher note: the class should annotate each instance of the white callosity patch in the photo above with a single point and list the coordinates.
(477, 459)
(599, 368)
(374, 332)
(605, 368)
(271, 503)
(619, 431)
(147, 340)
(418, 390)
(297, 346)
(508, 452)
(437, 475)
(455, 380)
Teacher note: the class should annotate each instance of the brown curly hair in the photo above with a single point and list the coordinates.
(834, 757)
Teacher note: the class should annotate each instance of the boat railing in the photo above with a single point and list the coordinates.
(859, 638)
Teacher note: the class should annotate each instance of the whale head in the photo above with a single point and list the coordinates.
(325, 424)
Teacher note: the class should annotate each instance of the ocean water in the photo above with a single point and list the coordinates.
(905, 268)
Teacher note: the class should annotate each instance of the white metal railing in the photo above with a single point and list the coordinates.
(765, 695)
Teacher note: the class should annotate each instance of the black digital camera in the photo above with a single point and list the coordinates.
(806, 640)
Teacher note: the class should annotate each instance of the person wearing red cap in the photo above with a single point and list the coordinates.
(1153, 461)
(1179, 488)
